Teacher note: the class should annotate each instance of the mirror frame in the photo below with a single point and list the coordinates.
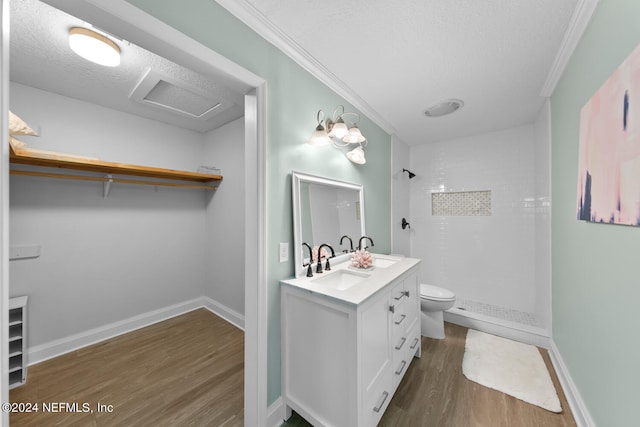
(297, 178)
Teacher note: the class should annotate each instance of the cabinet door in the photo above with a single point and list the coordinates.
(375, 378)
(412, 294)
(318, 355)
(413, 322)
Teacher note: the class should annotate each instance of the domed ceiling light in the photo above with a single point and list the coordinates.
(94, 47)
(443, 108)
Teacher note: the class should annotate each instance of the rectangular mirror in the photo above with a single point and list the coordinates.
(324, 210)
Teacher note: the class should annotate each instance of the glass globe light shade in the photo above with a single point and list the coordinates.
(354, 136)
(357, 156)
(339, 129)
(319, 137)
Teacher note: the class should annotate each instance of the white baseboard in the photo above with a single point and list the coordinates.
(42, 352)
(275, 413)
(578, 408)
(514, 331)
(223, 311)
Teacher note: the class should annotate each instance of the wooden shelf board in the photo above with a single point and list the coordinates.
(24, 157)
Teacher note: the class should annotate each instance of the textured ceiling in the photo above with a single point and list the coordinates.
(401, 57)
(40, 57)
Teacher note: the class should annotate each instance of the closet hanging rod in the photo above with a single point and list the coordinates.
(110, 179)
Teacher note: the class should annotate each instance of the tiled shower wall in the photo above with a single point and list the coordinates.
(490, 258)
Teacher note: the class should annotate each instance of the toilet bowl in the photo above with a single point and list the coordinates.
(433, 302)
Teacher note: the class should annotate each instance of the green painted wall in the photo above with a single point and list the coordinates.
(294, 97)
(596, 278)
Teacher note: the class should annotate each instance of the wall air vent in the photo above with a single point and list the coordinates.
(172, 95)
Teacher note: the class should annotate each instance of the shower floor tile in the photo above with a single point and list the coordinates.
(497, 312)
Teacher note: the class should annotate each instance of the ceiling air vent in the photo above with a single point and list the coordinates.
(178, 97)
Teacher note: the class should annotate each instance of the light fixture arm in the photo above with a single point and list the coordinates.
(335, 117)
(320, 117)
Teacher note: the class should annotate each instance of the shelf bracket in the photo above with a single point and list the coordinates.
(107, 185)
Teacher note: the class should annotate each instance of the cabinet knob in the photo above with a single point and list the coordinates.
(392, 308)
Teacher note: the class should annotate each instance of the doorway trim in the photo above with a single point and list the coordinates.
(122, 18)
(4, 205)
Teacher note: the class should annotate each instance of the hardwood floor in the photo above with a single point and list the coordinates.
(188, 371)
(434, 393)
(185, 371)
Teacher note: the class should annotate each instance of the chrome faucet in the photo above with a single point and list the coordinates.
(350, 243)
(308, 265)
(327, 267)
(361, 239)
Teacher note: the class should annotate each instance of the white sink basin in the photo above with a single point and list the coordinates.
(341, 280)
(384, 261)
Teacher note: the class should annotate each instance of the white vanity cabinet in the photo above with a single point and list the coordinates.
(343, 358)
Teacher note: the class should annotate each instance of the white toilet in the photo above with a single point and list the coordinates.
(433, 302)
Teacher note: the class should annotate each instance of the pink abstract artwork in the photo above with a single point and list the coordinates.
(609, 156)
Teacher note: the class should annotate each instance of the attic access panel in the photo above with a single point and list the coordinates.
(173, 95)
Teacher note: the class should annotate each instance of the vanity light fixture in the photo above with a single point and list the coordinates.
(94, 46)
(339, 134)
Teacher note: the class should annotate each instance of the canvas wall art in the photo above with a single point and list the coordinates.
(609, 154)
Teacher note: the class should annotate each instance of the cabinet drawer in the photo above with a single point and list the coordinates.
(403, 318)
(403, 355)
(413, 341)
(397, 294)
(377, 400)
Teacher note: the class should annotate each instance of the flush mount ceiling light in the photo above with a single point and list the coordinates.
(443, 108)
(339, 134)
(94, 47)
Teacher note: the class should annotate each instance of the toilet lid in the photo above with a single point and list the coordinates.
(436, 293)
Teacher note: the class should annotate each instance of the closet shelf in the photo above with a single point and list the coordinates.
(25, 157)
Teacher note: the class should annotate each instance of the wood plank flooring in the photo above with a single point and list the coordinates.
(434, 393)
(185, 371)
(189, 371)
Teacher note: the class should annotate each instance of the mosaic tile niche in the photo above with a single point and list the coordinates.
(461, 203)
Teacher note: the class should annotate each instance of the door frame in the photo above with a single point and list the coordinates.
(122, 18)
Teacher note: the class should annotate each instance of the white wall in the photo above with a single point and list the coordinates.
(489, 259)
(400, 185)
(72, 126)
(542, 150)
(225, 247)
(103, 260)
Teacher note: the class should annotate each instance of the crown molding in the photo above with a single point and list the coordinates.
(259, 23)
(581, 16)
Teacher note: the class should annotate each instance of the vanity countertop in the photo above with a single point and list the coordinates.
(355, 285)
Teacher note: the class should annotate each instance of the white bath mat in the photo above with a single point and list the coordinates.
(510, 367)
